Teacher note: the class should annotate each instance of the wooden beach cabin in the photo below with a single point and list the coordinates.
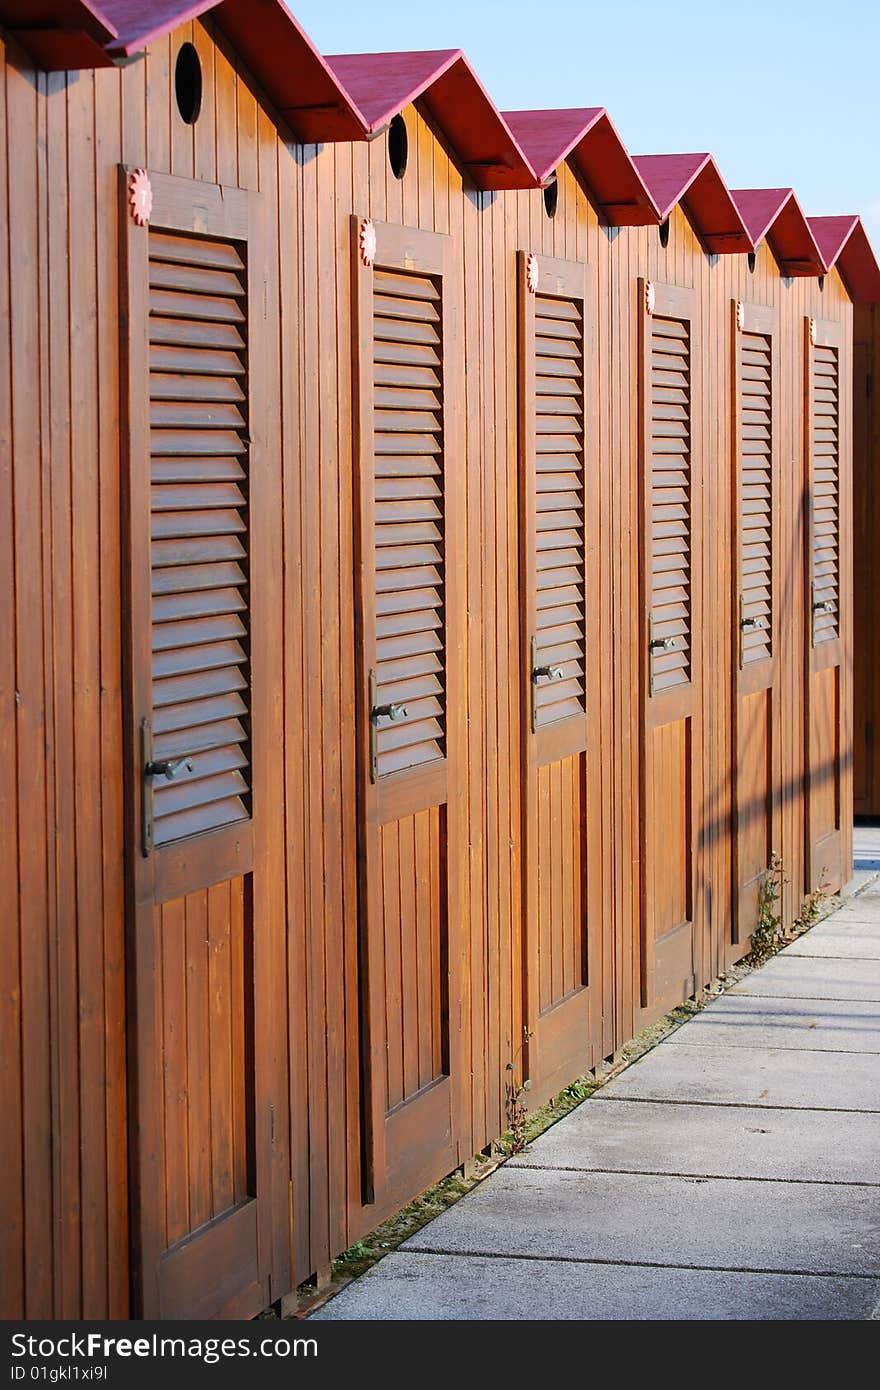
(426, 571)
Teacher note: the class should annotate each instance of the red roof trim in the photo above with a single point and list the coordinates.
(137, 24)
(66, 15)
(693, 180)
(60, 34)
(844, 243)
(382, 84)
(587, 138)
(776, 214)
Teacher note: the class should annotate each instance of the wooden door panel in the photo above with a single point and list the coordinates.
(825, 769)
(198, 535)
(671, 587)
(754, 617)
(562, 746)
(828, 554)
(414, 935)
(561, 872)
(670, 856)
(205, 993)
(754, 805)
(410, 704)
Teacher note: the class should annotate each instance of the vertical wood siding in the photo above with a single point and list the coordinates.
(63, 1152)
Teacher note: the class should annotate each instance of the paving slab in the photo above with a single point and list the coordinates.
(814, 977)
(824, 1025)
(859, 915)
(406, 1286)
(720, 1141)
(760, 1076)
(849, 945)
(716, 1223)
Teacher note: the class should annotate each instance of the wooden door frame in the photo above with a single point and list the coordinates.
(747, 317)
(568, 280)
(247, 848)
(836, 651)
(429, 254)
(657, 709)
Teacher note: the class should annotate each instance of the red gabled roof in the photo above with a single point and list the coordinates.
(63, 34)
(382, 84)
(694, 181)
(296, 78)
(844, 242)
(587, 138)
(291, 71)
(832, 234)
(776, 214)
(353, 96)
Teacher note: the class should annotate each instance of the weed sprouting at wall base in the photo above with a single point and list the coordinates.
(768, 935)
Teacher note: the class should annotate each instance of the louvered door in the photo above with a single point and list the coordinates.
(757, 762)
(410, 706)
(671, 596)
(206, 924)
(828, 535)
(559, 662)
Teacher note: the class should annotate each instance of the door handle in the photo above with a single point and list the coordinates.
(661, 644)
(823, 606)
(553, 673)
(394, 712)
(752, 624)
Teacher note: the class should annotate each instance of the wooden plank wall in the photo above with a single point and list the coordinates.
(62, 1018)
(866, 570)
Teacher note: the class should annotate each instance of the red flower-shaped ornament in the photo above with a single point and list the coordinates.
(140, 196)
(367, 241)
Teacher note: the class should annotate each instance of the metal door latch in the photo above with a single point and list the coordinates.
(752, 624)
(656, 644)
(167, 768)
(394, 712)
(823, 606)
(550, 673)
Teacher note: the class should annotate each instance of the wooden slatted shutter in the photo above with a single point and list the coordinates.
(199, 532)
(409, 518)
(669, 513)
(825, 404)
(756, 496)
(559, 541)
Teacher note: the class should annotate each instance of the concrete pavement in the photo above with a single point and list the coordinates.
(732, 1172)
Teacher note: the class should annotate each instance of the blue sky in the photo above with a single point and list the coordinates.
(782, 93)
